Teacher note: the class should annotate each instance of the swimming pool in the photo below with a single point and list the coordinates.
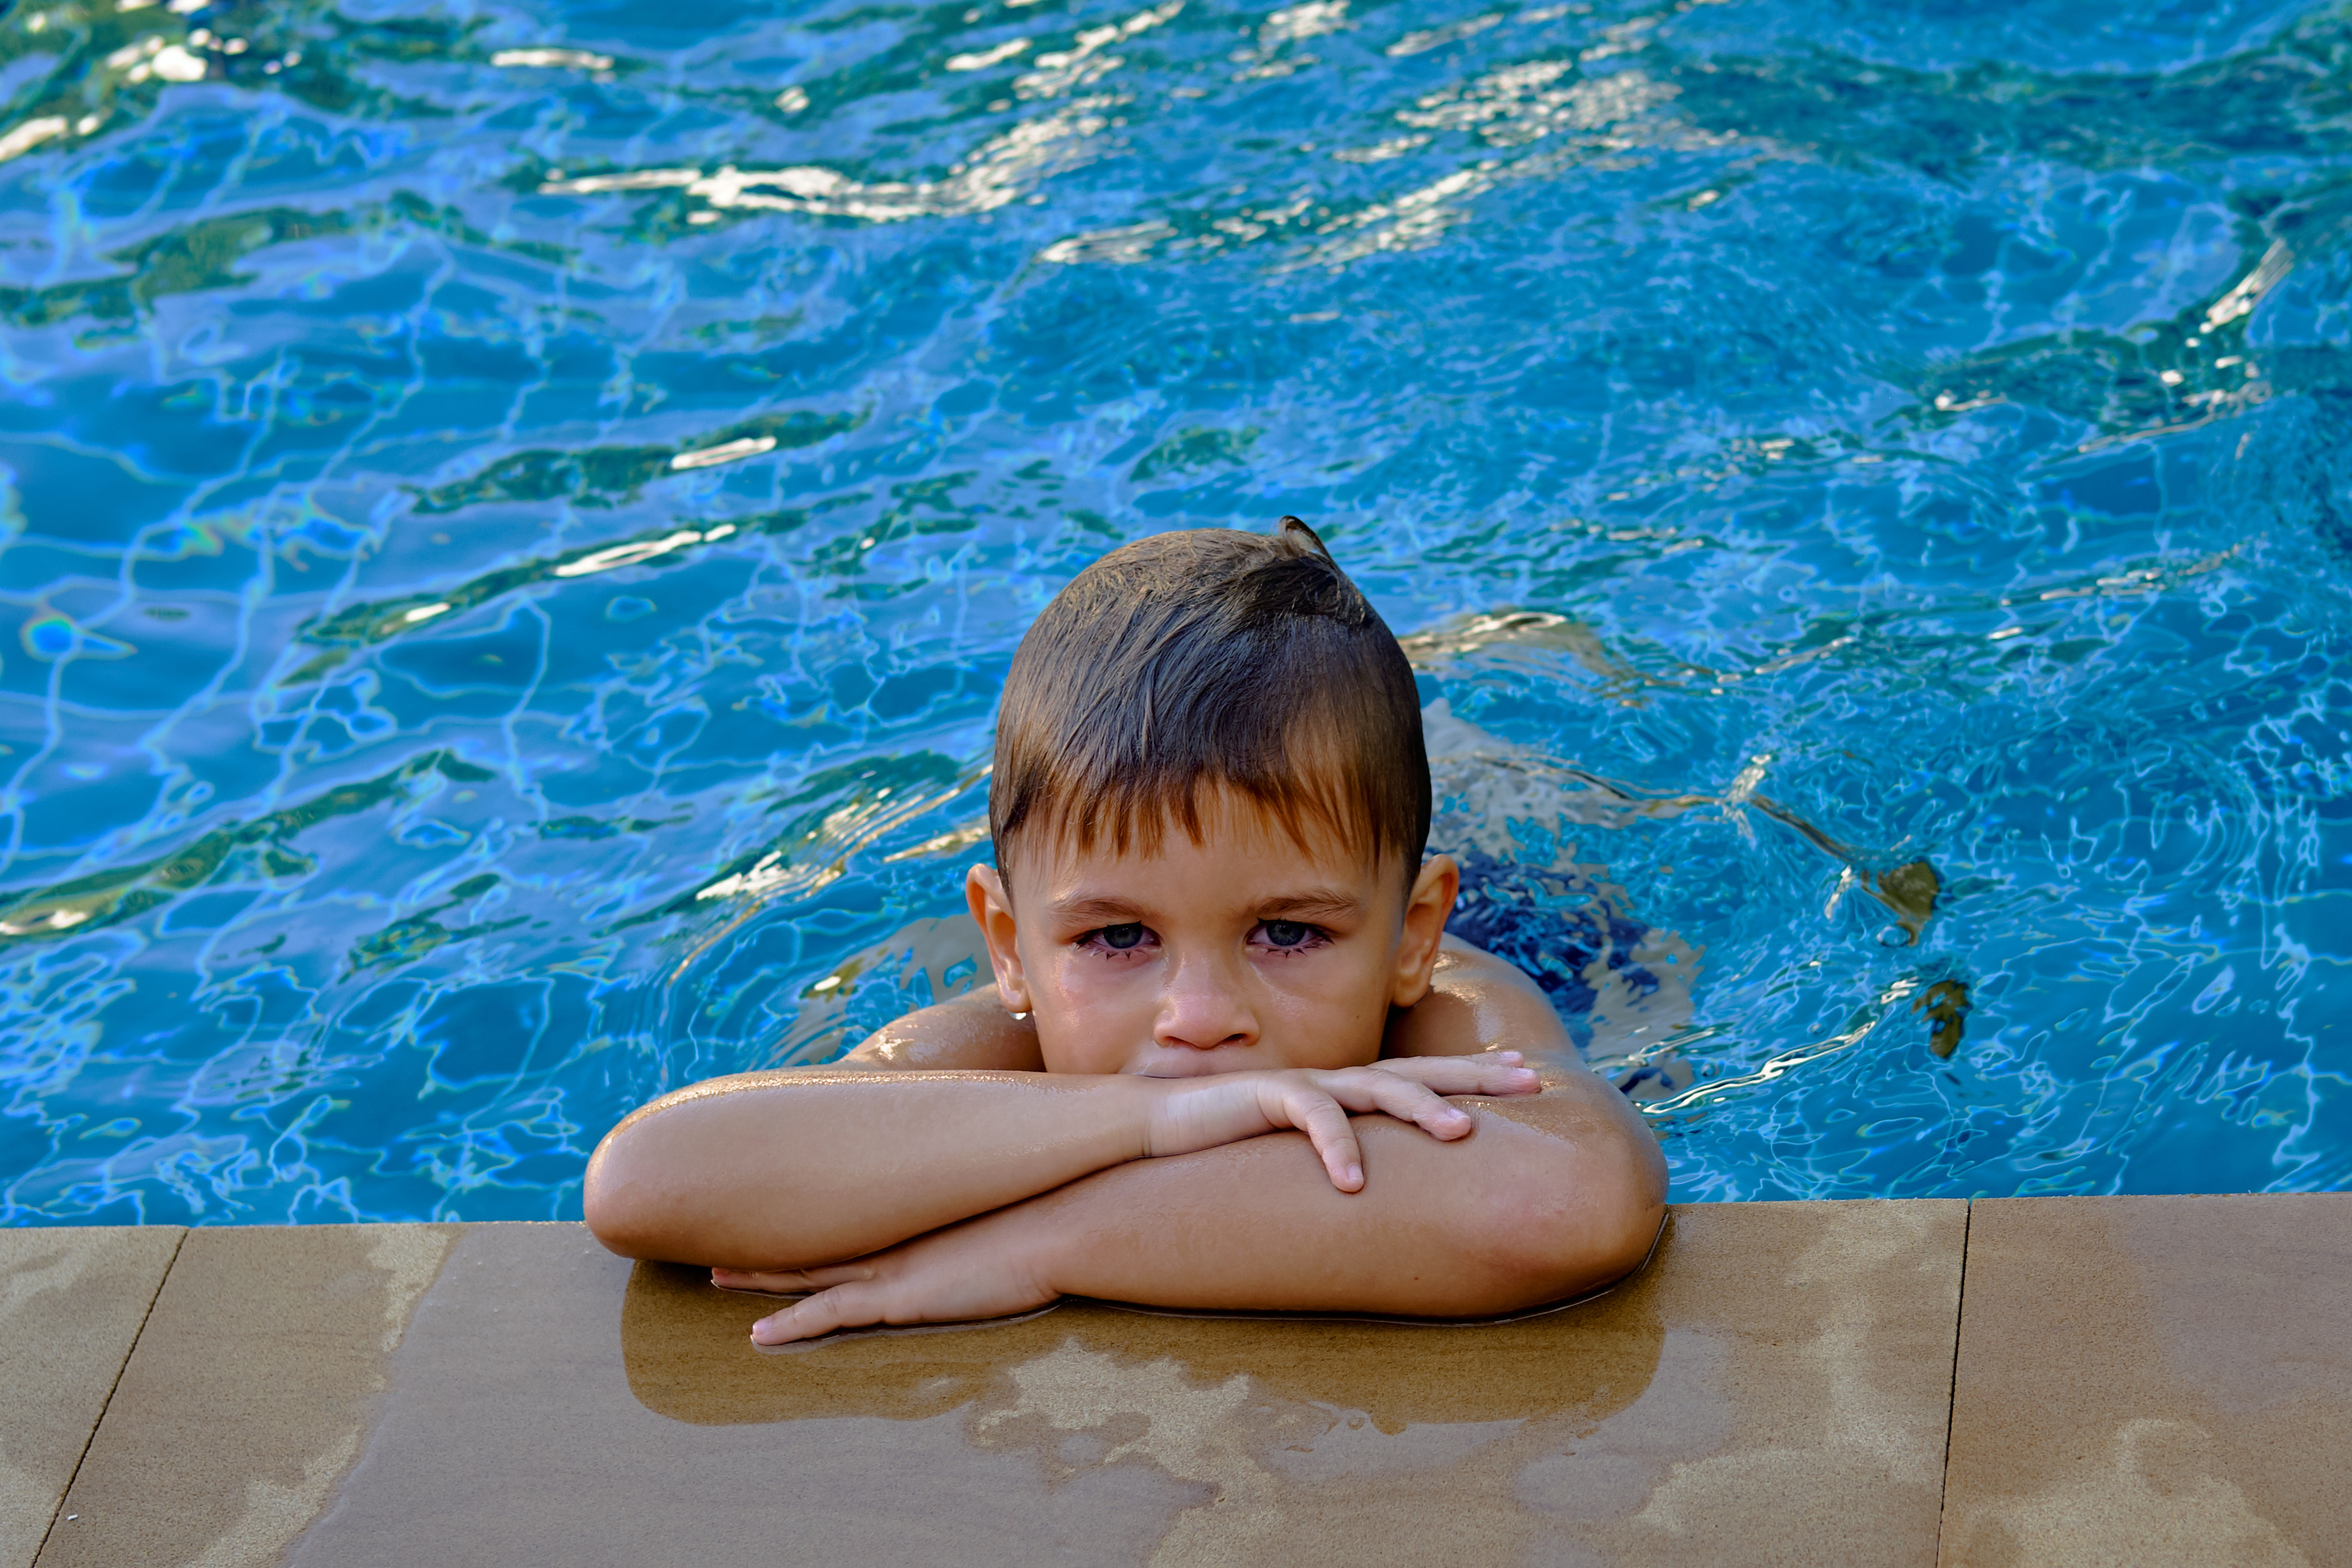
(515, 518)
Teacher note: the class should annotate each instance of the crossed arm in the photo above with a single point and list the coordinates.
(938, 1174)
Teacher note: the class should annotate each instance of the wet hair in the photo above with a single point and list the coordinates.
(1208, 661)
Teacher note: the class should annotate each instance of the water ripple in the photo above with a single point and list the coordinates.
(512, 523)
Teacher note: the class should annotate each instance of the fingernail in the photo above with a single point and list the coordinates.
(1355, 1174)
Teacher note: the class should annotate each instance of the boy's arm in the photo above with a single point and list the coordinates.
(1552, 1195)
(758, 1172)
(798, 1168)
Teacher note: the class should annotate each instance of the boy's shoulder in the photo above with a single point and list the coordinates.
(970, 1033)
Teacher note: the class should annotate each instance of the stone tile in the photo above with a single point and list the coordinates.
(2154, 1381)
(71, 1302)
(1772, 1389)
(252, 1387)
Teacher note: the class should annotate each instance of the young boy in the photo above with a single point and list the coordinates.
(1231, 1059)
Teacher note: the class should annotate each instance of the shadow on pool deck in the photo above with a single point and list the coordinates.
(2139, 1380)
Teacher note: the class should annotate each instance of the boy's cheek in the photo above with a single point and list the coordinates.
(1334, 1035)
(1325, 1009)
(1339, 982)
(1085, 1021)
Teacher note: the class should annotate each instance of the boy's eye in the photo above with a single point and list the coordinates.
(1128, 938)
(1287, 933)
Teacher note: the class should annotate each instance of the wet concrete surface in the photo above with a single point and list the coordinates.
(255, 1384)
(71, 1304)
(2155, 1381)
(2143, 1381)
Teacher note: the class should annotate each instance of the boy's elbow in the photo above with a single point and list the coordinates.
(1592, 1230)
(625, 1207)
(606, 1205)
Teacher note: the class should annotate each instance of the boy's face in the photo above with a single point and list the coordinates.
(1247, 951)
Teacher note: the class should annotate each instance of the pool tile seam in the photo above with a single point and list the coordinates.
(1952, 1392)
(107, 1404)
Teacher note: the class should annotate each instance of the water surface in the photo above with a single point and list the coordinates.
(513, 518)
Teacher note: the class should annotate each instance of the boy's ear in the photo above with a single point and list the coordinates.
(992, 909)
(1426, 907)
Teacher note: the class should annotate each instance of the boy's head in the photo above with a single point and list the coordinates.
(1209, 804)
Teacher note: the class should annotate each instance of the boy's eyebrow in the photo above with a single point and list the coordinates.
(1329, 902)
(1104, 908)
(1303, 904)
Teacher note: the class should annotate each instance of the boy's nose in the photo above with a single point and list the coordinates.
(1203, 1009)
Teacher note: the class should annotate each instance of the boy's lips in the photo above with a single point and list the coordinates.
(1182, 1062)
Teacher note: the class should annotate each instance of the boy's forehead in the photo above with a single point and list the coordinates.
(1239, 838)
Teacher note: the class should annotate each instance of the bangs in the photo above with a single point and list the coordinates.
(1309, 794)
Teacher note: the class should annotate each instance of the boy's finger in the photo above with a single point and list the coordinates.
(1325, 1122)
(1510, 1081)
(1473, 1075)
(825, 1276)
(1410, 1102)
(848, 1305)
(1447, 1072)
(774, 1281)
(787, 1281)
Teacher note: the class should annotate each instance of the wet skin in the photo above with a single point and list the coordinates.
(1229, 1091)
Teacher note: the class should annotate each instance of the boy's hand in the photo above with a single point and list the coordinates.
(975, 1269)
(1224, 1108)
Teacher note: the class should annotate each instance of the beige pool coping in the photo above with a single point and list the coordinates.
(2138, 1381)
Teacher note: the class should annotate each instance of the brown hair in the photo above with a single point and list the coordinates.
(1210, 660)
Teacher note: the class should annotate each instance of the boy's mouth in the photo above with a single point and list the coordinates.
(1183, 1062)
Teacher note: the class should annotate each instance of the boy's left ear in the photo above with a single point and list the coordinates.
(1426, 907)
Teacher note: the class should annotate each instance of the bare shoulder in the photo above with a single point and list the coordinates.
(971, 1032)
(1478, 1002)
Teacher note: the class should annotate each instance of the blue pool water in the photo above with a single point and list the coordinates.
(515, 517)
